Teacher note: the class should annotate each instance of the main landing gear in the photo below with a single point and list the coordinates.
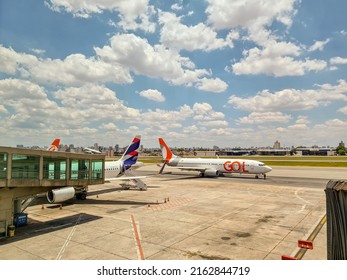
(257, 177)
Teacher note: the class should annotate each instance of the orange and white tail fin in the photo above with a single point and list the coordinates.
(165, 151)
(54, 146)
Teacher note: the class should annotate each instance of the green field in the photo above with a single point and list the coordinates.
(323, 161)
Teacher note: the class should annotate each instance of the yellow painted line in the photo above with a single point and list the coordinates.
(300, 254)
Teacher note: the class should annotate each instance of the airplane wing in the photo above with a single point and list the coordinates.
(139, 184)
(122, 178)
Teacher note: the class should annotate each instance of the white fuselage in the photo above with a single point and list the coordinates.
(221, 165)
(113, 169)
(116, 168)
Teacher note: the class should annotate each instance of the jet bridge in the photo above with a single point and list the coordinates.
(25, 173)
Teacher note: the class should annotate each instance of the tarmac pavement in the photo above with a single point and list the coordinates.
(181, 217)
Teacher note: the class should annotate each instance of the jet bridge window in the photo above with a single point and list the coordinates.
(79, 169)
(3, 165)
(25, 166)
(54, 168)
(97, 170)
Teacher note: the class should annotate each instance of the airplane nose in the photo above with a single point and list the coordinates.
(268, 168)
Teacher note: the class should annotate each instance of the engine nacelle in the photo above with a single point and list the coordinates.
(211, 173)
(60, 195)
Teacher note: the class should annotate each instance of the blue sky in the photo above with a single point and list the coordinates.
(197, 73)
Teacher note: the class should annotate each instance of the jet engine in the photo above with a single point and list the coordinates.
(211, 173)
(60, 195)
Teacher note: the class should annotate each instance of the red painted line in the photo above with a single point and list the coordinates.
(138, 242)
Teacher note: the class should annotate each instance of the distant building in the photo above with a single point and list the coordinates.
(277, 145)
(110, 152)
(342, 144)
(206, 153)
(238, 152)
(273, 152)
(315, 151)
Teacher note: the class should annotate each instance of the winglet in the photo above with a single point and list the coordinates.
(165, 150)
(131, 154)
(54, 146)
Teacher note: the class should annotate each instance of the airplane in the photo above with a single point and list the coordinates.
(212, 167)
(114, 170)
(123, 166)
(91, 151)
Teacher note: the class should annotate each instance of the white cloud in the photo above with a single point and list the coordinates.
(338, 60)
(164, 119)
(113, 64)
(291, 99)
(134, 14)
(202, 108)
(75, 69)
(318, 45)
(229, 14)
(271, 56)
(177, 6)
(3, 109)
(205, 112)
(178, 36)
(301, 124)
(216, 123)
(343, 110)
(11, 61)
(79, 113)
(276, 59)
(97, 101)
(152, 94)
(29, 104)
(38, 51)
(108, 126)
(251, 15)
(212, 85)
(138, 55)
(263, 118)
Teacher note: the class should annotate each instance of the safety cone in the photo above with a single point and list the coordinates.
(42, 207)
(61, 206)
(97, 196)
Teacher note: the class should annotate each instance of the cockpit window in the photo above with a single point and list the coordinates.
(261, 164)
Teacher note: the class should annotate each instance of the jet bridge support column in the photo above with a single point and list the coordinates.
(17, 206)
(6, 207)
